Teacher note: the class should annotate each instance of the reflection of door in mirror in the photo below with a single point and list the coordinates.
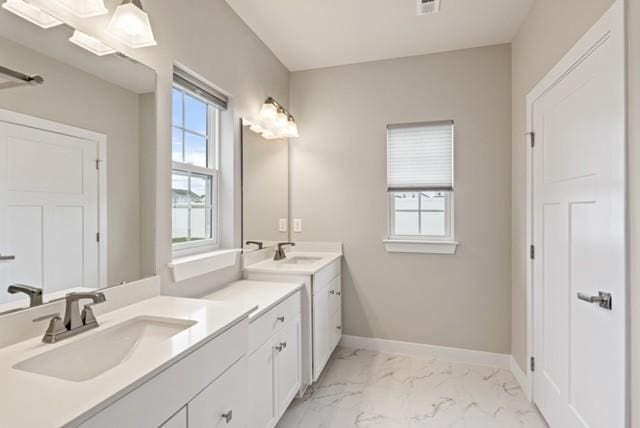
(49, 200)
(265, 189)
(54, 197)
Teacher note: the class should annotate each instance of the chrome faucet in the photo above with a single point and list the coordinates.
(280, 254)
(34, 293)
(75, 322)
(260, 244)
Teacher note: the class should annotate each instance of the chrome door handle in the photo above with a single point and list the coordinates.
(7, 257)
(602, 299)
(228, 416)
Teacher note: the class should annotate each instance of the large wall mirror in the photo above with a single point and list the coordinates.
(265, 190)
(77, 166)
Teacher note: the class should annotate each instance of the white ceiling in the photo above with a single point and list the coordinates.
(306, 34)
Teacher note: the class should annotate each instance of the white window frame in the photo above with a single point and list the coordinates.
(213, 170)
(448, 217)
(430, 244)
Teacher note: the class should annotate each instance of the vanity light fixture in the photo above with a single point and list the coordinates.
(84, 8)
(130, 24)
(31, 13)
(274, 121)
(90, 43)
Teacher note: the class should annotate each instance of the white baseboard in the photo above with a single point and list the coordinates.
(521, 377)
(428, 351)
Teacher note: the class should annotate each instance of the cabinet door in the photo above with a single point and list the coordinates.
(336, 329)
(335, 295)
(321, 322)
(224, 402)
(262, 386)
(179, 420)
(289, 357)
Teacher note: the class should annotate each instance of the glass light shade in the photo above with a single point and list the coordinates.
(31, 13)
(292, 129)
(256, 128)
(131, 26)
(90, 43)
(268, 115)
(269, 135)
(282, 120)
(84, 8)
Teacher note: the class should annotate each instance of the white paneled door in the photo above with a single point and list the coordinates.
(579, 267)
(48, 210)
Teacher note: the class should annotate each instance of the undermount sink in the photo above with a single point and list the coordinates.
(94, 355)
(301, 260)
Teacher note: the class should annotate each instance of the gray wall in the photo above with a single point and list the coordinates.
(76, 98)
(338, 175)
(549, 31)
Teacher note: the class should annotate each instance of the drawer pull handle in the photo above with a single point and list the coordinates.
(281, 346)
(228, 416)
(281, 319)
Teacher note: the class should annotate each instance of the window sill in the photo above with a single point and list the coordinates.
(203, 263)
(422, 247)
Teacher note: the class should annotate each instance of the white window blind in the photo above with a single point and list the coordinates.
(420, 157)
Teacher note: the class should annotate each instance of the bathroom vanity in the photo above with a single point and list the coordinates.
(318, 267)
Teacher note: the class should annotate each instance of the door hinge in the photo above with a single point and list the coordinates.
(98, 164)
(532, 140)
(98, 237)
(532, 252)
(532, 364)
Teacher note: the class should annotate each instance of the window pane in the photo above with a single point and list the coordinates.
(433, 201)
(406, 223)
(406, 201)
(200, 223)
(180, 189)
(180, 222)
(195, 149)
(176, 145)
(433, 224)
(177, 107)
(195, 115)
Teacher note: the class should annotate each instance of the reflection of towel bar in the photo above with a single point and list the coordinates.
(22, 79)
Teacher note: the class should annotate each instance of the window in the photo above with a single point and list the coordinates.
(420, 181)
(195, 173)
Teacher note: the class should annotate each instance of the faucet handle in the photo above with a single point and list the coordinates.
(56, 327)
(87, 315)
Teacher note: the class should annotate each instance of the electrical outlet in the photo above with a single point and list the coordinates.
(297, 225)
(282, 226)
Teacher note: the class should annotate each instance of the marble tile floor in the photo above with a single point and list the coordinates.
(362, 388)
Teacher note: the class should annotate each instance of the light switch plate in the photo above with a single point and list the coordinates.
(297, 225)
(282, 226)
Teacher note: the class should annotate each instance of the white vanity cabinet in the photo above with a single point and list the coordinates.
(327, 318)
(275, 362)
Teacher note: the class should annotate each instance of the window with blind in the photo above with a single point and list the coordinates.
(195, 172)
(420, 181)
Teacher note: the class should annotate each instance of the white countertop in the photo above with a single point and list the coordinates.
(264, 294)
(33, 400)
(282, 267)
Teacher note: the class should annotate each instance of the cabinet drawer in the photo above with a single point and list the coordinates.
(179, 420)
(268, 324)
(224, 402)
(155, 401)
(325, 275)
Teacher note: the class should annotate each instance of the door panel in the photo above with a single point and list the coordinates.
(262, 386)
(289, 364)
(48, 210)
(579, 235)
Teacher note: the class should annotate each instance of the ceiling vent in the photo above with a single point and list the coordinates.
(427, 7)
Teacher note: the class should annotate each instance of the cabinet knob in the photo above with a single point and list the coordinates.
(332, 292)
(338, 293)
(339, 327)
(228, 416)
(281, 346)
(281, 319)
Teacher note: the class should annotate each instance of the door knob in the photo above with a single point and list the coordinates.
(602, 299)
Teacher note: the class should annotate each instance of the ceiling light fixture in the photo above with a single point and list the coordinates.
(31, 13)
(90, 43)
(130, 24)
(274, 121)
(84, 8)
